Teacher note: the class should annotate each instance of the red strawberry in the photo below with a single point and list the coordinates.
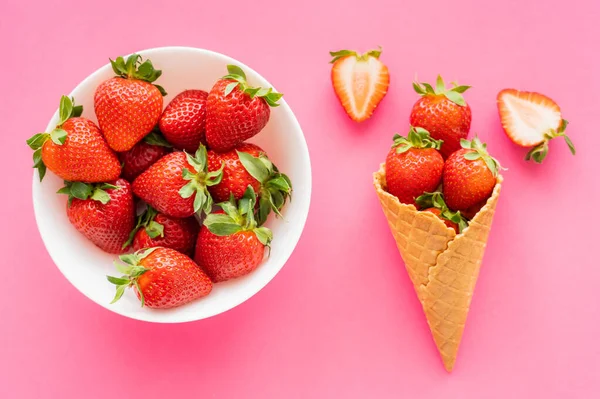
(469, 176)
(128, 106)
(413, 165)
(183, 121)
(235, 111)
(104, 213)
(152, 148)
(155, 229)
(75, 150)
(230, 244)
(434, 203)
(176, 184)
(531, 120)
(360, 81)
(247, 165)
(443, 112)
(162, 278)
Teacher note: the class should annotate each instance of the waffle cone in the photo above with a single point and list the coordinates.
(442, 265)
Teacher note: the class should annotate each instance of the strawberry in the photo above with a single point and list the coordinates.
(443, 112)
(162, 278)
(247, 165)
(104, 212)
(531, 120)
(235, 111)
(360, 81)
(128, 105)
(230, 244)
(469, 176)
(75, 150)
(155, 229)
(413, 165)
(183, 121)
(434, 203)
(176, 184)
(152, 148)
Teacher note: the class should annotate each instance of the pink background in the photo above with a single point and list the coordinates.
(341, 319)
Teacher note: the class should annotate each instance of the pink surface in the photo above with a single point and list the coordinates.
(341, 319)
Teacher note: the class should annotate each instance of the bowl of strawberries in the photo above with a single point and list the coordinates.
(164, 183)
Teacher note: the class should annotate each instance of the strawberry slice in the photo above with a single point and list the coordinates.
(531, 120)
(360, 81)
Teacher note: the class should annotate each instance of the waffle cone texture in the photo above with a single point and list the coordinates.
(443, 266)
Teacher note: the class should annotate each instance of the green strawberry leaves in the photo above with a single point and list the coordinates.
(131, 269)
(146, 220)
(417, 138)
(436, 200)
(156, 138)
(66, 110)
(238, 76)
(134, 68)
(480, 152)
(540, 151)
(276, 187)
(199, 179)
(453, 94)
(238, 216)
(85, 191)
(361, 57)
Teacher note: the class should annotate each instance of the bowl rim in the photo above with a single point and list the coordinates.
(52, 251)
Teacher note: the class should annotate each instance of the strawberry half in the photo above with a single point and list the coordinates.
(360, 81)
(531, 119)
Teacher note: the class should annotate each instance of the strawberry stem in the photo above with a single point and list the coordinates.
(540, 151)
(418, 137)
(238, 76)
(453, 93)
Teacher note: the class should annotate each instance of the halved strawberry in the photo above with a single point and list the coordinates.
(360, 81)
(531, 120)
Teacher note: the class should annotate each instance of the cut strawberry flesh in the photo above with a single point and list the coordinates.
(527, 116)
(360, 85)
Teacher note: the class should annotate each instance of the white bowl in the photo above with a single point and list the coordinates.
(86, 266)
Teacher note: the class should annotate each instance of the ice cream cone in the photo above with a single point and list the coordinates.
(443, 266)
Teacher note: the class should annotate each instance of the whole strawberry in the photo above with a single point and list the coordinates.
(413, 165)
(230, 244)
(176, 184)
(235, 111)
(162, 278)
(443, 112)
(434, 203)
(128, 105)
(75, 150)
(248, 165)
(155, 229)
(183, 121)
(469, 176)
(104, 212)
(152, 148)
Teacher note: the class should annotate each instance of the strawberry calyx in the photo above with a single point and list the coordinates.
(417, 138)
(66, 110)
(134, 68)
(436, 200)
(146, 220)
(238, 216)
(155, 137)
(131, 269)
(199, 179)
(361, 57)
(539, 152)
(238, 76)
(276, 187)
(480, 152)
(84, 191)
(453, 93)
